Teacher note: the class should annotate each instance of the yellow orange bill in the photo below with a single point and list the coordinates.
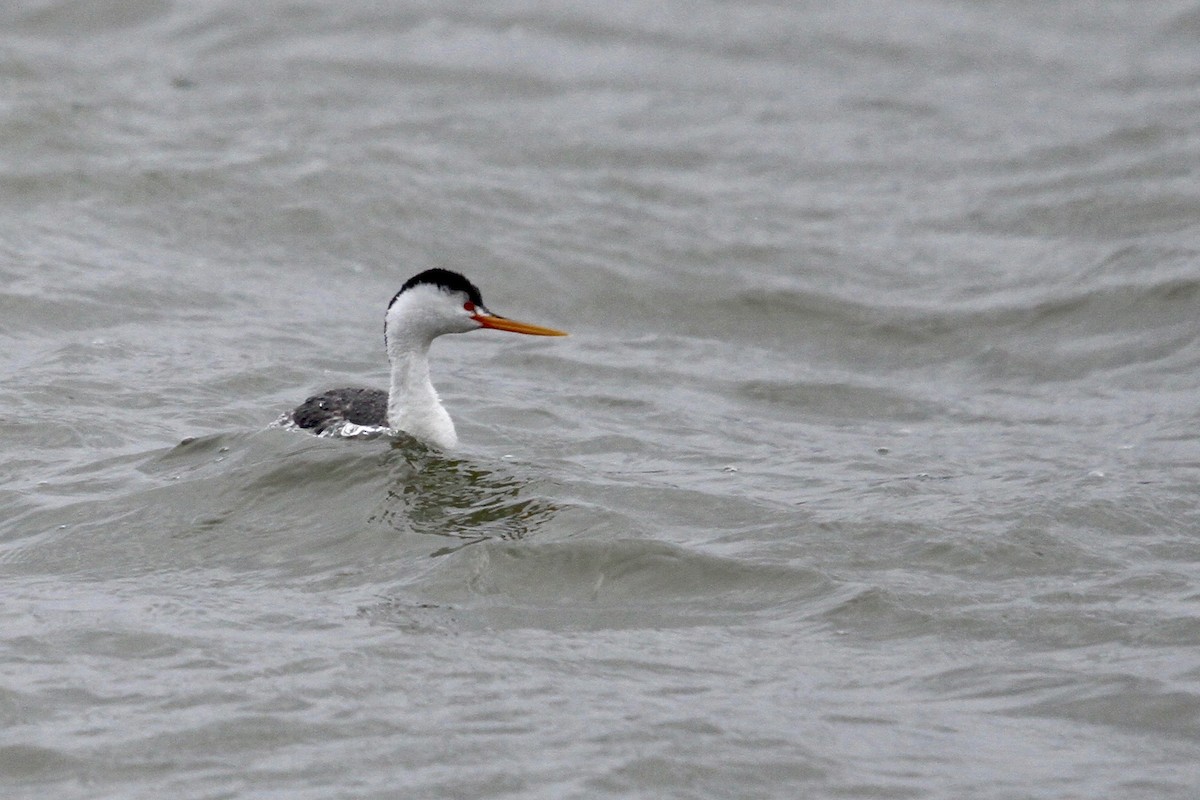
(505, 324)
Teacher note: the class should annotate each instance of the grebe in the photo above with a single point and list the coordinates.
(428, 305)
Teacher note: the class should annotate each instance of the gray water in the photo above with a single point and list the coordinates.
(869, 470)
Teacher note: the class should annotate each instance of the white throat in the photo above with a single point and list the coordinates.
(413, 403)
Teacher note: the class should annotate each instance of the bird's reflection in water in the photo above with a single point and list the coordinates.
(434, 495)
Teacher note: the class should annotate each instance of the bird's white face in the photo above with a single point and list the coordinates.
(426, 311)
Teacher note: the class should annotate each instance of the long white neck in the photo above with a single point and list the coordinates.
(413, 404)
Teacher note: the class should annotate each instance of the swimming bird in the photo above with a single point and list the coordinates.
(428, 305)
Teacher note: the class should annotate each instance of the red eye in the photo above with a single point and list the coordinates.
(469, 306)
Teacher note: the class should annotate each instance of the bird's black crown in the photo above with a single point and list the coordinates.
(445, 280)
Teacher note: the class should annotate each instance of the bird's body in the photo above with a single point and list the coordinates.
(428, 305)
(359, 406)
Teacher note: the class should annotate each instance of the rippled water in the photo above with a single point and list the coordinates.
(869, 470)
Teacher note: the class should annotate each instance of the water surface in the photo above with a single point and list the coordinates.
(868, 471)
